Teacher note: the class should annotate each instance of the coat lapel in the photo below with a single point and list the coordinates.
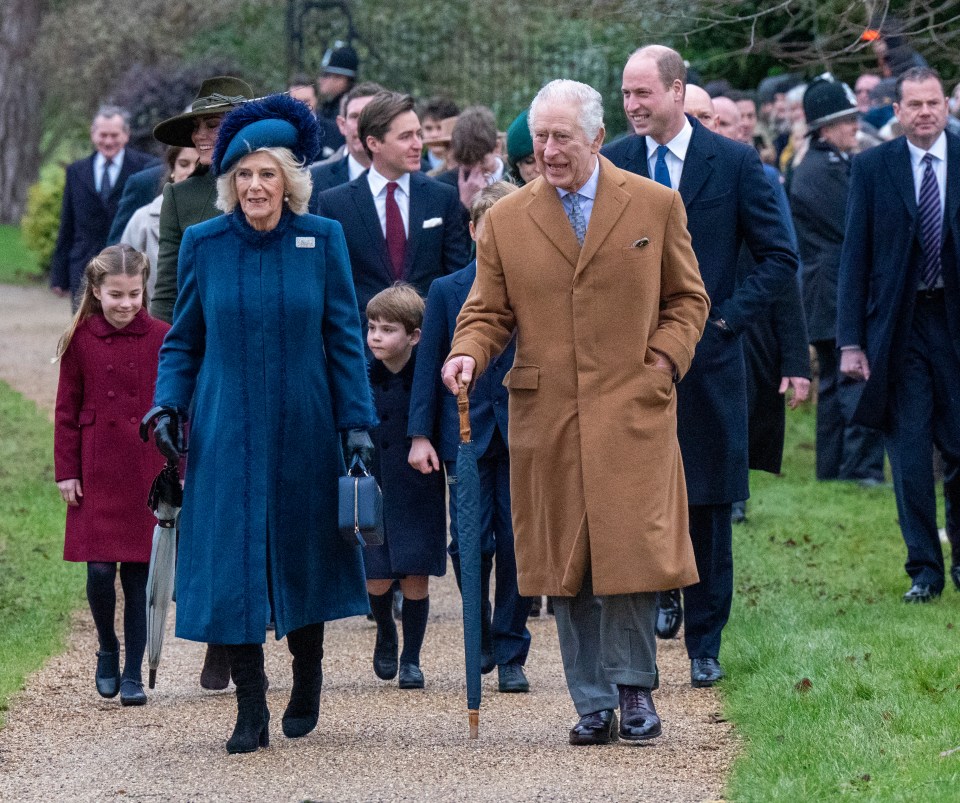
(901, 175)
(371, 221)
(609, 205)
(548, 213)
(697, 166)
(417, 208)
(953, 179)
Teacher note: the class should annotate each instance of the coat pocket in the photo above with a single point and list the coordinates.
(522, 377)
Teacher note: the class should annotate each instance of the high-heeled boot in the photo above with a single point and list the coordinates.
(306, 647)
(253, 718)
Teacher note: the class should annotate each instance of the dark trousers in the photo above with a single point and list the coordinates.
(706, 605)
(923, 411)
(951, 505)
(845, 451)
(507, 627)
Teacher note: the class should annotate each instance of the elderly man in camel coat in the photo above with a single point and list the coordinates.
(593, 268)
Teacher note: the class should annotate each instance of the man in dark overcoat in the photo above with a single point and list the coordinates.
(728, 202)
(818, 197)
(898, 302)
(90, 196)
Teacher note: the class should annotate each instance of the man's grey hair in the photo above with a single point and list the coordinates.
(586, 99)
(107, 111)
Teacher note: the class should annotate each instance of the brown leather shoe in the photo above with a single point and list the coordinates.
(215, 674)
(600, 727)
(638, 718)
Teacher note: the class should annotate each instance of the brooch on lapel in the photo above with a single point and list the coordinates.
(306, 242)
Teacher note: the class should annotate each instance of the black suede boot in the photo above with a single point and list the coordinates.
(303, 710)
(215, 674)
(253, 718)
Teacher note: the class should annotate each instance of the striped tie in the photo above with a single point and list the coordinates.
(931, 224)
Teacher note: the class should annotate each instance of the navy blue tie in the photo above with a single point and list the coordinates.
(660, 173)
(931, 224)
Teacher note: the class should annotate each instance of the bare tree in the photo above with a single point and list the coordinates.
(20, 104)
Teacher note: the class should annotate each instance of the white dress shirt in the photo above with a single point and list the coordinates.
(676, 153)
(354, 168)
(939, 153)
(378, 186)
(99, 161)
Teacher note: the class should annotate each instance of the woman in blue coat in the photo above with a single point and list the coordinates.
(266, 353)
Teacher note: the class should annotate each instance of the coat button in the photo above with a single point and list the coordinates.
(133, 392)
(108, 341)
(131, 364)
(133, 419)
(110, 394)
(113, 422)
(109, 368)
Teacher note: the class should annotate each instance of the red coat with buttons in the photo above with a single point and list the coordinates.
(107, 379)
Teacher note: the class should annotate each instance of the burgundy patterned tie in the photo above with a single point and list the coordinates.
(396, 236)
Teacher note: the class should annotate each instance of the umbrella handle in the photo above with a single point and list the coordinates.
(474, 717)
(463, 407)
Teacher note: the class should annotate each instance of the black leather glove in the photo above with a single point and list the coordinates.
(167, 431)
(359, 443)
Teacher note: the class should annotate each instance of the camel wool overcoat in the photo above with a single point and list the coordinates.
(596, 476)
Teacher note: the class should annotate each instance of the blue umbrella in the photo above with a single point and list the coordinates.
(468, 528)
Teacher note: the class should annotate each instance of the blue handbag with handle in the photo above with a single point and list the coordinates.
(360, 510)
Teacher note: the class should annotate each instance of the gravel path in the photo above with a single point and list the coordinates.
(373, 741)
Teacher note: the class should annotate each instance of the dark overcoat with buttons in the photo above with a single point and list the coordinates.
(414, 510)
(107, 377)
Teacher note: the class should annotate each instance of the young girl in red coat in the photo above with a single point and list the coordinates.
(108, 368)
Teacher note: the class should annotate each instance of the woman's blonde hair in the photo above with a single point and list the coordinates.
(115, 260)
(296, 182)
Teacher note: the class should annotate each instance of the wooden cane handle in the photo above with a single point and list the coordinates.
(474, 719)
(463, 407)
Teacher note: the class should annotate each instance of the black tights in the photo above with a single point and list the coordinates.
(102, 596)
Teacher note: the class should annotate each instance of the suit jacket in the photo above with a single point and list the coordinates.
(139, 191)
(729, 202)
(596, 479)
(432, 251)
(880, 264)
(85, 219)
(326, 175)
(433, 409)
(185, 204)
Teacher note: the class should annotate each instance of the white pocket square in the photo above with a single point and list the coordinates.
(433, 222)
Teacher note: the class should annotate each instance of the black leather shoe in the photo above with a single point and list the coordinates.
(108, 673)
(955, 575)
(385, 655)
(638, 718)
(704, 672)
(131, 692)
(669, 614)
(512, 680)
(600, 727)
(921, 592)
(410, 676)
(535, 606)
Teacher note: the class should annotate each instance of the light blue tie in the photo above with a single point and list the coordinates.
(660, 173)
(577, 220)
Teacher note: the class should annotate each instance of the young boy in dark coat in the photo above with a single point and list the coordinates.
(433, 417)
(414, 519)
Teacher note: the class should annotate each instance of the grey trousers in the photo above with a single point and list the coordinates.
(605, 641)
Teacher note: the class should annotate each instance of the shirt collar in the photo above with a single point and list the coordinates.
(354, 168)
(588, 190)
(938, 150)
(678, 145)
(378, 182)
(100, 160)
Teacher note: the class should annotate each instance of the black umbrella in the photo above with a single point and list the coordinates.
(166, 498)
(468, 529)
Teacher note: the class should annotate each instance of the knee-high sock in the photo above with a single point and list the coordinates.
(414, 620)
(102, 597)
(133, 579)
(381, 605)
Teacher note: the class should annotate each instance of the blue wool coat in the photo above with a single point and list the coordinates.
(414, 512)
(266, 346)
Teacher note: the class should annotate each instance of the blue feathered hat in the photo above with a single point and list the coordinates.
(276, 121)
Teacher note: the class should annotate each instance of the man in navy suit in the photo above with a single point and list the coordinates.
(93, 188)
(349, 162)
(434, 420)
(898, 310)
(399, 224)
(141, 188)
(728, 202)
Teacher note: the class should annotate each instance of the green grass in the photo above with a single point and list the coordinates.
(38, 590)
(838, 689)
(17, 264)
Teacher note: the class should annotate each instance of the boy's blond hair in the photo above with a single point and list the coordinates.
(484, 200)
(400, 303)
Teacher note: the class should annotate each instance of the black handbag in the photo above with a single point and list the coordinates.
(360, 509)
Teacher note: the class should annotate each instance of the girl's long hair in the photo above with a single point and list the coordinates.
(114, 260)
